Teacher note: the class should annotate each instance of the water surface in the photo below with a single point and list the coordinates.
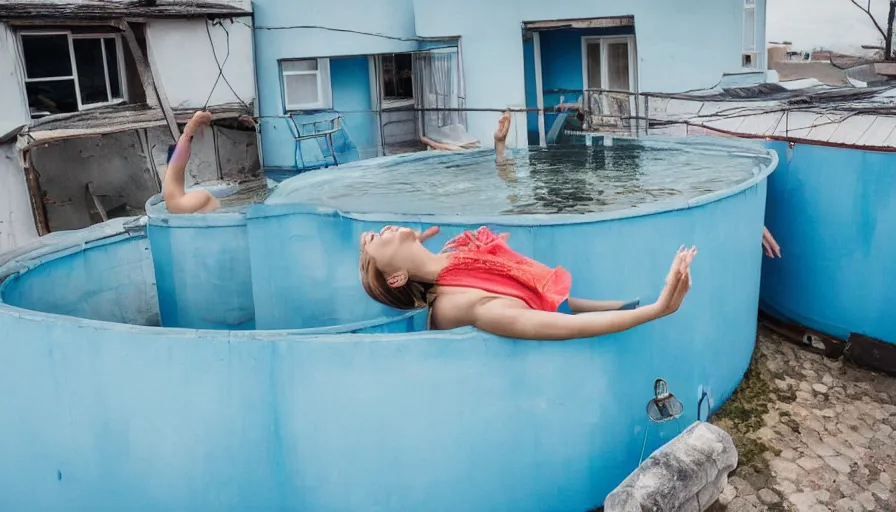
(553, 180)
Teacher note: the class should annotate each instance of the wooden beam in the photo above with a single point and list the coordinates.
(43, 22)
(34, 194)
(142, 66)
(160, 89)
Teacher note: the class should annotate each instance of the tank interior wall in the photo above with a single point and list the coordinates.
(111, 282)
(833, 212)
(203, 273)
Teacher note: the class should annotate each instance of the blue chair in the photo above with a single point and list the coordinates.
(321, 130)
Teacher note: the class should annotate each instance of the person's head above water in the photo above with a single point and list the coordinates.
(396, 270)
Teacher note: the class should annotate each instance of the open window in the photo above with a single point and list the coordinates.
(397, 72)
(67, 72)
(306, 84)
(418, 95)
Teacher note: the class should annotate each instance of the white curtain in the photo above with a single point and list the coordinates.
(436, 86)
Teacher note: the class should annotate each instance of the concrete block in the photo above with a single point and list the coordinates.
(687, 474)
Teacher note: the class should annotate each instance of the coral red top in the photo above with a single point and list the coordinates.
(484, 261)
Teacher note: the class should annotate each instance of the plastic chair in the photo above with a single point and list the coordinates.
(316, 129)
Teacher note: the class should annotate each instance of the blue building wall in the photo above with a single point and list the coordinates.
(679, 47)
(393, 18)
(833, 211)
(350, 78)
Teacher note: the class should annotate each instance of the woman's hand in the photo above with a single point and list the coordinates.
(678, 282)
(200, 118)
(428, 233)
(772, 249)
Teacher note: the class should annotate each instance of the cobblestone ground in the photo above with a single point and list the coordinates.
(813, 435)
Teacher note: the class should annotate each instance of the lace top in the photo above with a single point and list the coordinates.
(483, 260)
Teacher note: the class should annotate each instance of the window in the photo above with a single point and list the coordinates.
(608, 63)
(748, 59)
(398, 76)
(68, 73)
(306, 84)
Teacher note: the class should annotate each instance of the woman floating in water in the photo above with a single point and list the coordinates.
(479, 280)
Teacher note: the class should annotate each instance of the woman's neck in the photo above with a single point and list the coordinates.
(429, 268)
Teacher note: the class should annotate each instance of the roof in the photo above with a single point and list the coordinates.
(114, 9)
(824, 72)
(114, 119)
(804, 111)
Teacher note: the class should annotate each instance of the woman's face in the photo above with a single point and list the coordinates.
(387, 247)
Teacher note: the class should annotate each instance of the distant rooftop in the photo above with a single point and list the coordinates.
(824, 72)
(804, 111)
(112, 9)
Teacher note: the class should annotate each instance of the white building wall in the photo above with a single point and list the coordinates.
(13, 101)
(184, 58)
(16, 221)
(187, 67)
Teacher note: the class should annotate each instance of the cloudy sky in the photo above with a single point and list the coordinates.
(835, 24)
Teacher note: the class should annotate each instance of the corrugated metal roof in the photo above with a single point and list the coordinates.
(804, 111)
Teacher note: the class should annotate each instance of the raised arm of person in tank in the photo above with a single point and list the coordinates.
(769, 244)
(177, 200)
(507, 318)
(501, 137)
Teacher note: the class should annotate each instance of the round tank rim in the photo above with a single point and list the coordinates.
(23, 263)
(330, 333)
(760, 172)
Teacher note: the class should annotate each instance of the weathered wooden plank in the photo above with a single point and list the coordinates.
(142, 67)
(160, 89)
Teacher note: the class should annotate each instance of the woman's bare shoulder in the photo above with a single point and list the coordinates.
(456, 307)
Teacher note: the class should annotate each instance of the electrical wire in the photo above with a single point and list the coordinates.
(831, 106)
(221, 65)
(343, 30)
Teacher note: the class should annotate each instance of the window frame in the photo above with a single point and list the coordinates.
(604, 41)
(74, 76)
(121, 69)
(324, 85)
(393, 101)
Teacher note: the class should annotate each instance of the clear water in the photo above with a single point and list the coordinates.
(554, 180)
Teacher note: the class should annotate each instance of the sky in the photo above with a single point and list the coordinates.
(835, 24)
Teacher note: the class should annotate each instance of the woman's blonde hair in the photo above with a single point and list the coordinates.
(412, 295)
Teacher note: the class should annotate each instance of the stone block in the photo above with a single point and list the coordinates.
(687, 474)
